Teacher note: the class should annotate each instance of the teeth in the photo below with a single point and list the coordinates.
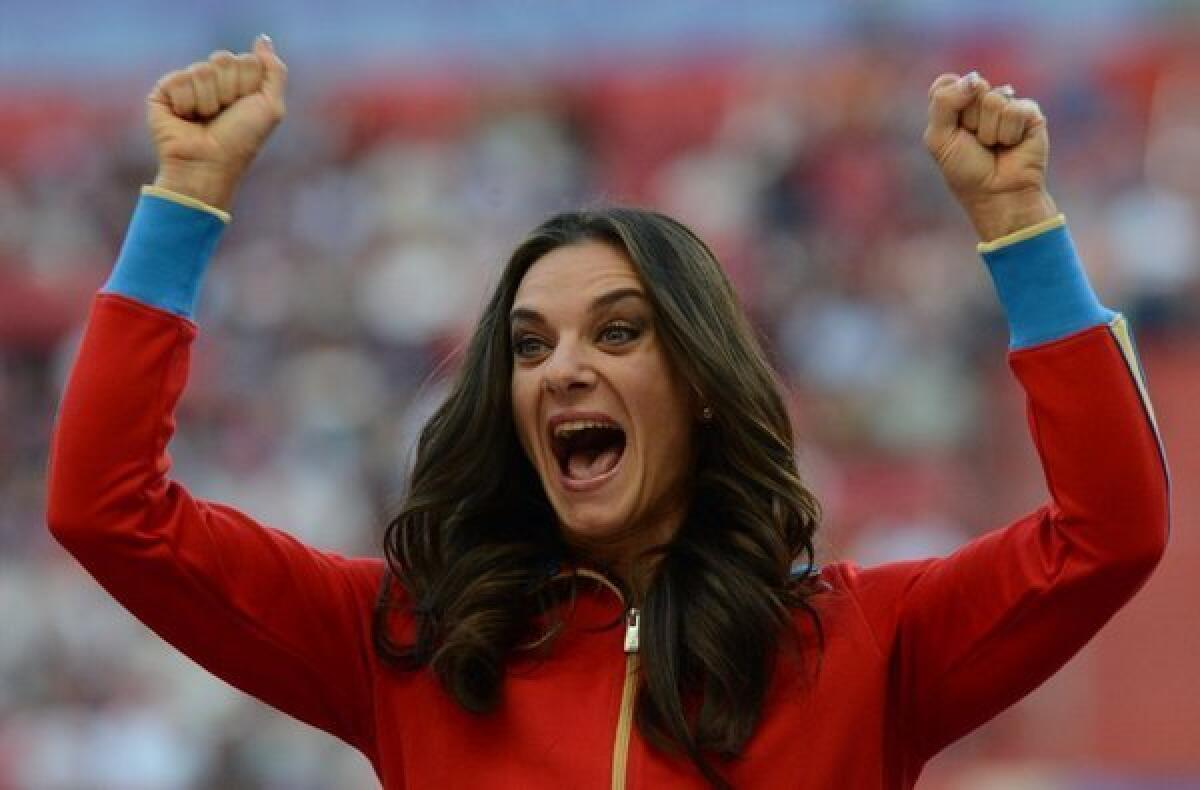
(567, 429)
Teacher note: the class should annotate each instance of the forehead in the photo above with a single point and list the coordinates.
(570, 277)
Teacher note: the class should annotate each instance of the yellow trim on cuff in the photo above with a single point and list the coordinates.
(1120, 329)
(184, 200)
(1022, 234)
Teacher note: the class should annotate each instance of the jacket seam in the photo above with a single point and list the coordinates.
(1140, 386)
(1076, 336)
(862, 613)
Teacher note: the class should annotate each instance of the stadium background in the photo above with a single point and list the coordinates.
(423, 139)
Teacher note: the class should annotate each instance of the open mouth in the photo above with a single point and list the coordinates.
(587, 450)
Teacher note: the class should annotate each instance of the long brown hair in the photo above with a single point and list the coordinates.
(474, 541)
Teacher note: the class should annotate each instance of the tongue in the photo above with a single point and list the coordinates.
(587, 464)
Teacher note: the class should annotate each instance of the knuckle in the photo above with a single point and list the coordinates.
(941, 82)
(167, 81)
(1026, 110)
(939, 100)
(248, 65)
(181, 90)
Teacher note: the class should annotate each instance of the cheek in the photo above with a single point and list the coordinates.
(664, 416)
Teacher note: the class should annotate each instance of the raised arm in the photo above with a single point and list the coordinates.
(281, 621)
(970, 634)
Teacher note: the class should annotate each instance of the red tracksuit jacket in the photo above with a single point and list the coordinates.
(917, 653)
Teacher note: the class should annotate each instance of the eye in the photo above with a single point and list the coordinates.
(528, 346)
(618, 334)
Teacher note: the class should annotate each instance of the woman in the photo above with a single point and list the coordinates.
(603, 573)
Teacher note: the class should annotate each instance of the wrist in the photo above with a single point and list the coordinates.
(997, 217)
(207, 185)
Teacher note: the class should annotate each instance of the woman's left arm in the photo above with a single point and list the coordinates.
(977, 630)
(972, 633)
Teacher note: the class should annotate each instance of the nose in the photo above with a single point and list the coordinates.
(567, 371)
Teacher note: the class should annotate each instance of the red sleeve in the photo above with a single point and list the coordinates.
(281, 621)
(970, 634)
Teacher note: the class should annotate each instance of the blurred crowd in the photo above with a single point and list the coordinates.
(363, 246)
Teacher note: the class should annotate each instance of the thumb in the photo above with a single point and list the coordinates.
(274, 71)
(948, 97)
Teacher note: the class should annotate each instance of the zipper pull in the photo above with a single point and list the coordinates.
(631, 630)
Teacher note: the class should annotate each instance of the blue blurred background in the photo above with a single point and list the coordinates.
(423, 140)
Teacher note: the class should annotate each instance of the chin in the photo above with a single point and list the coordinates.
(600, 522)
(589, 523)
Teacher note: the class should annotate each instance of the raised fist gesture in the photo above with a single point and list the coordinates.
(210, 120)
(993, 150)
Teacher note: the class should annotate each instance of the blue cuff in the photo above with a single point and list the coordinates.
(1044, 289)
(166, 251)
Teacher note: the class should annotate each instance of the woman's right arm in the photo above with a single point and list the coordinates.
(279, 620)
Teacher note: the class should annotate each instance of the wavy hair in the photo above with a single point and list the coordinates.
(473, 542)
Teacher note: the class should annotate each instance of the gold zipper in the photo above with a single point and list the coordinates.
(620, 758)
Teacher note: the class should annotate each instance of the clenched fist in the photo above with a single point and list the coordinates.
(210, 120)
(993, 150)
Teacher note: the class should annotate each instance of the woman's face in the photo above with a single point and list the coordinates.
(601, 412)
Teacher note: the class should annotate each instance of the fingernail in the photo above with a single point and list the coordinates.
(969, 81)
(264, 38)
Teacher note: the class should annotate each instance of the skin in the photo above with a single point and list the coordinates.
(993, 150)
(210, 120)
(574, 352)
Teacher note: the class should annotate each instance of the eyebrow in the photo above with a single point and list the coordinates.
(599, 303)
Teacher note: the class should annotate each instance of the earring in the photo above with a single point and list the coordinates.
(706, 414)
